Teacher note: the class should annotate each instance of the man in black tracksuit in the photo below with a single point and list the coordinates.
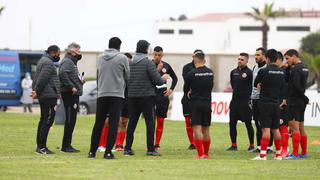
(241, 83)
(46, 88)
(71, 89)
(271, 82)
(141, 92)
(162, 93)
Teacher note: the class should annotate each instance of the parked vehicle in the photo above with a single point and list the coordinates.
(88, 101)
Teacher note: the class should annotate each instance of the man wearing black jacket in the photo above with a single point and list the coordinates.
(144, 78)
(270, 81)
(71, 89)
(163, 93)
(297, 102)
(241, 83)
(46, 88)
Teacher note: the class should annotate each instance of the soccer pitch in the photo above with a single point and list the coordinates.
(19, 161)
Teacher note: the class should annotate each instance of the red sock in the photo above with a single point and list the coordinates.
(284, 137)
(304, 145)
(103, 137)
(199, 145)
(251, 145)
(123, 136)
(234, 144)
(264, 146)
(295, 143)
(159, 129)
(189, 129)
(277, 143)
(118, 138)
(206, 147)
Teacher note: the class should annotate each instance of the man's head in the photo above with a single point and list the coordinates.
(129, 56)
(114, 43)
(199, 58)
(27, 75)
(243, 59)
(74, 50)
(279, 61)
(260, 55)
(157, 54)
(142, 46)
(292, 56)
(54, 52)
(272, 56)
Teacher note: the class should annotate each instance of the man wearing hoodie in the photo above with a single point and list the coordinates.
(71, 89)
(113, 72)
(46, 87)
(141, 92)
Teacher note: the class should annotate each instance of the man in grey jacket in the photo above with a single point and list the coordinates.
(46, 88)
(71, 89)
(113, 73)
(141, 92)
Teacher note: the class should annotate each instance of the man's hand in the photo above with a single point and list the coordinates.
(74, 91)
(283, 104)
(159, 67)
(189, 94)
(259, 86)
(165, 77)
(34, 95)
(168, 92)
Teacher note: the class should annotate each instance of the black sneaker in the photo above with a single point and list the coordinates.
(128, 152)
(44, 151)
(157, 146)
(153, 153)
(232, 148)
(91, 155)
(192, 147)
(250, 149)
(108, 156)
(257, 150)
(69, 149)
(269, 151)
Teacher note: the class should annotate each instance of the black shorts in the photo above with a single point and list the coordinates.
(296, 112)
(162, 105)
(200, 113)
(186, 106)
(240, 110)
(284, 116)
(125, 109)
(269, 115)
(255, 109)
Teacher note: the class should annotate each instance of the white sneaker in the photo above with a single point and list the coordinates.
(279, 158)
(258, 158)
(101, 149)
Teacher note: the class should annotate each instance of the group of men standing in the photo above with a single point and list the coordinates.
(272, 94)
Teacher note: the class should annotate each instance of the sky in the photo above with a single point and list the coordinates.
(36, 24)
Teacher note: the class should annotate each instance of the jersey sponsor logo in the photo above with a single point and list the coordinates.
(203, 74)
(244, 75)
(236, 74)
(305, 70)
(275, 72)
(164, 70)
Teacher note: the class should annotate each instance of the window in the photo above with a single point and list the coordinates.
(185, 31)
(250, 28)
(293, 28)
(166, 31)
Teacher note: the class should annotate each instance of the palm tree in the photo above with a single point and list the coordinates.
(1, 9)
(264, 16)
(313, 63)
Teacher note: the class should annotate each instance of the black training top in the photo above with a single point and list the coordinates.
(186, 69)
(297, 82)
(272, 83)
(241, 83)
(167, 69)
(200, 82)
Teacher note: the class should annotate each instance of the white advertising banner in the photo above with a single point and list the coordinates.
(221, 101)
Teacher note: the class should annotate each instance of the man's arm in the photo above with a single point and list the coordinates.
(43, 77)
(173, 77)
(154, 74)
(258, 79)
(296, 78)
(64, 76)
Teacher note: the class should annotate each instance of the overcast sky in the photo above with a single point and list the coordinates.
(35, 24)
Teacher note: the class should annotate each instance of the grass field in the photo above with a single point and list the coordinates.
(19, 161)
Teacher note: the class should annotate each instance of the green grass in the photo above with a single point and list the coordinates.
(18, 160)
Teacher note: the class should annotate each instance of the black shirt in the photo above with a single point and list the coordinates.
(167, 69)
(200, 82)
(272, 83)
(297, 84)
(241, 83)
(186, 69)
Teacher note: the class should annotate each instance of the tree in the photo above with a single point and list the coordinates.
(264, 16)
(1, 9)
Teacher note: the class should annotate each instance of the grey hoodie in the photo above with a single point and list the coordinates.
(143, 77)
(113, 73)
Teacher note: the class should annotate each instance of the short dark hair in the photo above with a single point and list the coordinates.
(199, 54)
(244, 54)
(263, 50)
(279, 56)
(292, 52)
(142, 46)
(128, 55)
(52, 48)
(158, 49)
(197, 51)
(272, 54)
(114, 43)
